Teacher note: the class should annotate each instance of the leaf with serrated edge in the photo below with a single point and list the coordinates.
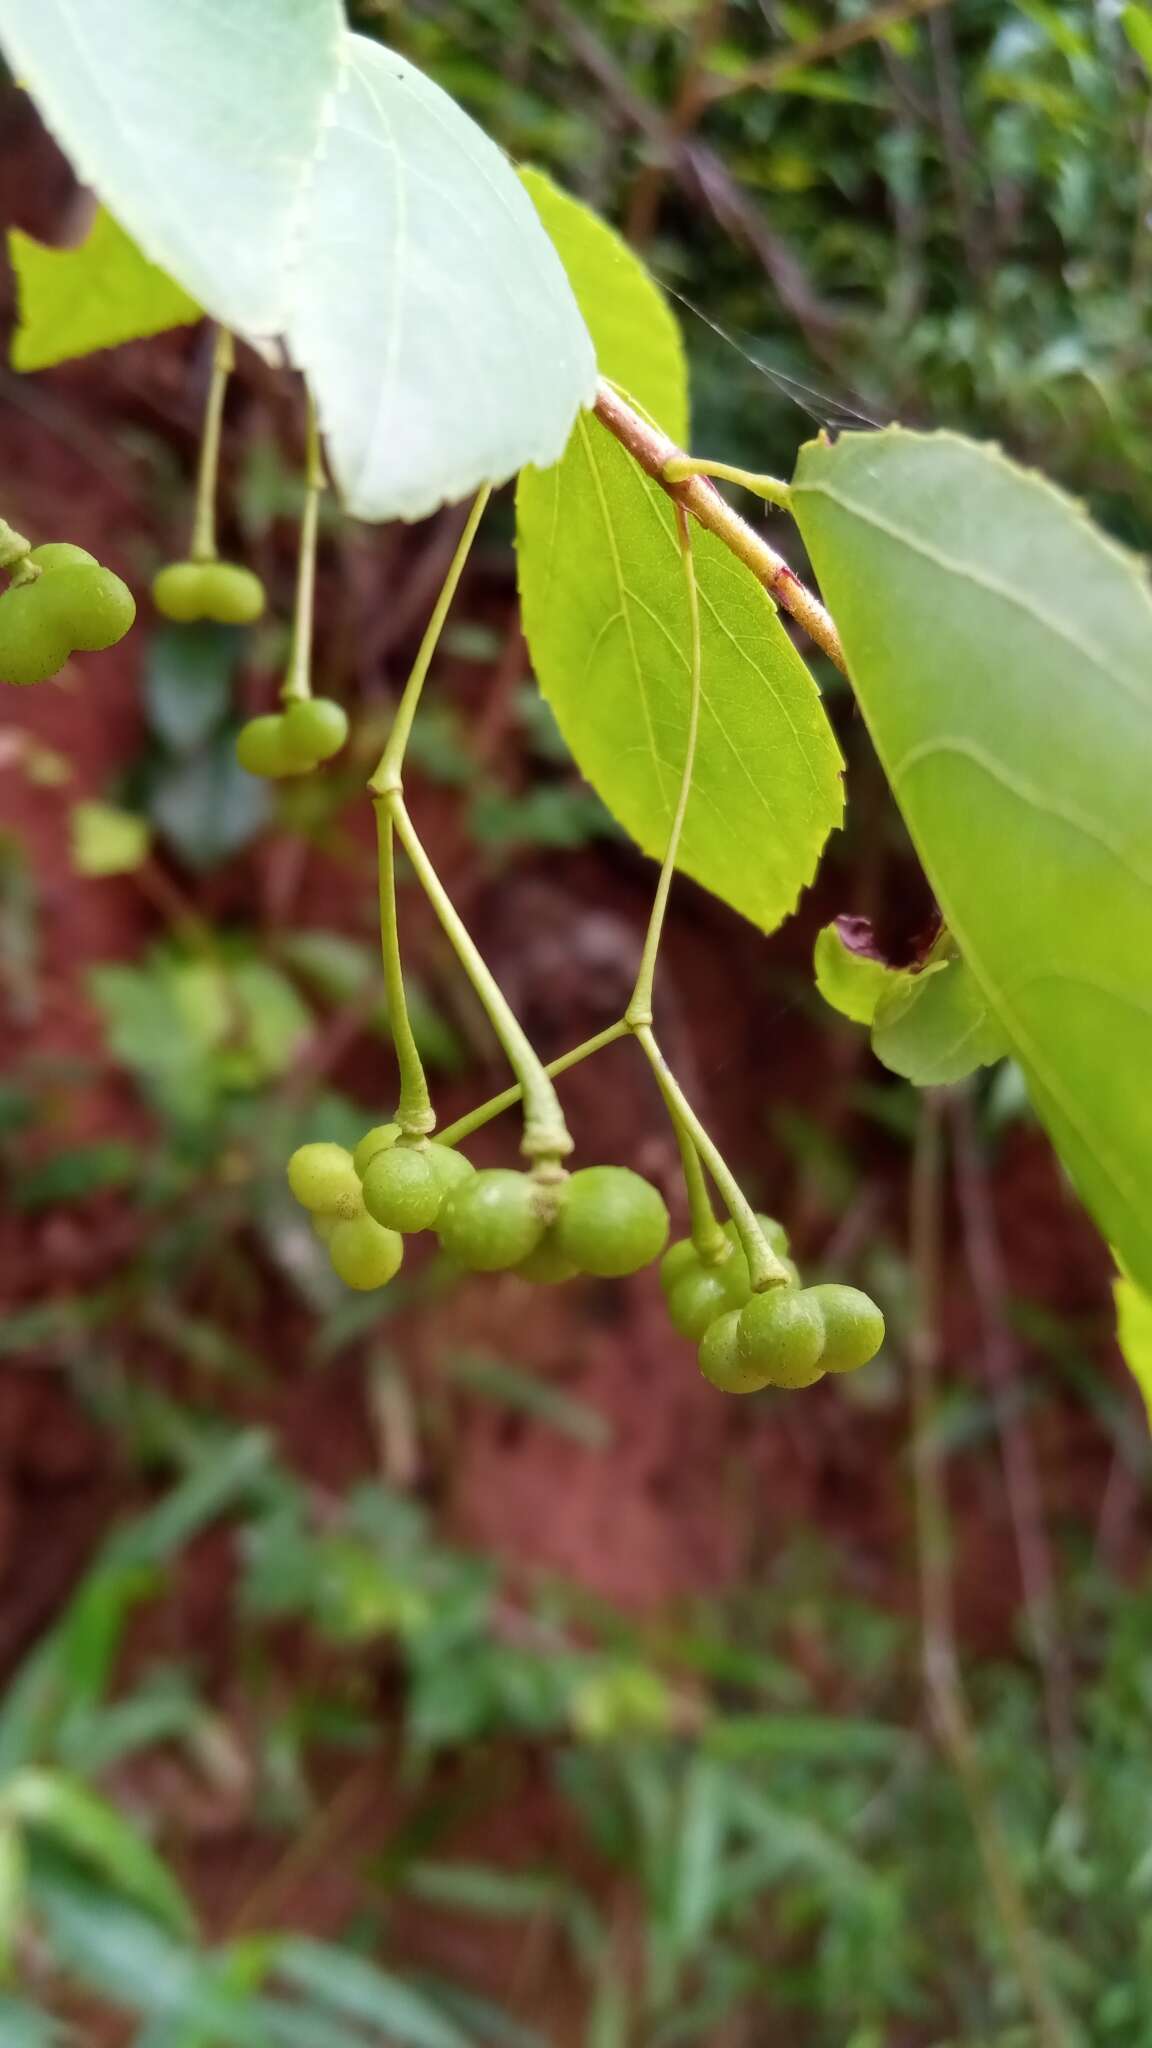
(606, 615)
(849, 982)
(634, 332)
(431, 314)
(934, 1027)
(199, 127)
(1001, 649)
(104, 292)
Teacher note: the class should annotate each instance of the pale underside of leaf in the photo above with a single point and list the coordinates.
(605, 612)
(1002, 652)
(199, 125)
(430, 314)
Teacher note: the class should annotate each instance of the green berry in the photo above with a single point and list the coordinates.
(208, 590)
(781, 1335)
(401, 1190)
(492, 1220)
(775, 1233)
(448, 1167)
(93, 608)
(324, 1226)
(365, 1255)
(721, 1360)
(61, 554)
(700, 1296)
(72, 606)
(315, 729)
(546, 1266)
(853, 1327)
(323, 1179)
(612, 1222)
(378, 1139)
(260, 747)
(680, 1258)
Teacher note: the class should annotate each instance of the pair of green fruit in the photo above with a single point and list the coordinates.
(790, 1337)
(603, 1220)
(73, 606)
(698, 1291)
(293, 741)
(223, 591)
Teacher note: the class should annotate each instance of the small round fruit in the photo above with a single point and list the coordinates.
(325, 1225)
(720, 1359)
(699, 1297)
(324, 1180)
(546, 1266)
(401, 1190)
(176, 591)
(853, 1326)
(492, 1220)
(230, 594)
(781, 1335)
(61, 554)
(612, 1222)
(680, 1258)
(775, 1233)
(378, 1139)
(94, 607)
(315, 729)
(448, 1167)
(365, 1255)
(260, 746)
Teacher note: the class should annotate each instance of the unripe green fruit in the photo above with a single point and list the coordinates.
(546, 1266)
(401, 1190)
(323, 1226)
(492, 1220)
(365, 1255)
(314, 730)
(324, 1180)
(223, 591)
(705, 1293)
(853, 1326)
(680, 1258)
(781, 1335)
(612, 1222)
(448, 1167)
(378, 1139)
(775, 1233)
(72, 606)
(721, 1360)
(260, 747)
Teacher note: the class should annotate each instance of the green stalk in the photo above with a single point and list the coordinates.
(639, 1009)
(203, 544)
(14, 552)
(706, 1232)
(764, 1268)
(414, 1112)
(298, 678)
(484, 1112)
(546, 1140)
(389, 772)
(680, 467)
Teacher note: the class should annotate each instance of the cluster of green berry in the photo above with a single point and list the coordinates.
(604, 1220)
(788, 1336)
(59, 602)
(293, 741)
(222, 591)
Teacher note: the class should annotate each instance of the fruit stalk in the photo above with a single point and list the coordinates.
(298, 678)
(414, 1112)
(203, 543)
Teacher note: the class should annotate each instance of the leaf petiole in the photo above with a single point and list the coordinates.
(679, 468)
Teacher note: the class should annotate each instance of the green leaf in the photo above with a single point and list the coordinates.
(1134, 1334)
(28, 2026)
(849, 982)
(207, 808)
(1137, 25)
(198, 126)
(606, 615)
(635, 335)
(430, 313)
(62, 1808)
(73, 301)
(188, 682)
(359, 1991)
(1000, 648)
(107, 840)
(935, 1026)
